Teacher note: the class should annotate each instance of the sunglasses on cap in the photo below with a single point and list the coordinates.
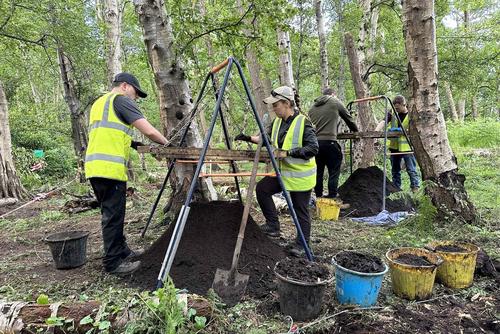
(275, 94)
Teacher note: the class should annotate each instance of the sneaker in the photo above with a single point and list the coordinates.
(134, 254)
(126, 268)
(269, 230)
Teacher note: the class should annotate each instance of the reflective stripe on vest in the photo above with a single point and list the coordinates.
(109, 141)
(400, 143)
(298, 174)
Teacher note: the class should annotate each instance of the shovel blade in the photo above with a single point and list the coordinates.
(230, 285)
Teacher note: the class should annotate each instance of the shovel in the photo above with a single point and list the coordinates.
(230, 285)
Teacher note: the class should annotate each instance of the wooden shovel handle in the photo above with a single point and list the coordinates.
(246, 210)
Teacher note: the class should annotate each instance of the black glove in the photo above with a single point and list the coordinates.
(134, 144)
(243, 137)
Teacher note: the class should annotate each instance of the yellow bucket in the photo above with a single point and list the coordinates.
(458, 268)
(412, 282)
(327, 208)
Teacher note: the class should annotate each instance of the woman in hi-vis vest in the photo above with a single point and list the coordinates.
(295, 144)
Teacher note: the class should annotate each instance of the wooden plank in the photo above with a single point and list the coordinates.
(368, 134)
(213, 155)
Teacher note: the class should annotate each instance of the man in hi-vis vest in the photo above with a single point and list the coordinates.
(112, 119)
(294, 139)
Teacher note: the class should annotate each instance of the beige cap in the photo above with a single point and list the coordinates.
(281, 93)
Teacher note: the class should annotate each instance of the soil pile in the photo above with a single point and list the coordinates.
(451, 249)
(208, 243)
(363, 191)
(413, 260)
(363, 263)
(302, 270)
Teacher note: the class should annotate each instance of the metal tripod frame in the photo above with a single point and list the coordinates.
(386, 121)
(184, 212)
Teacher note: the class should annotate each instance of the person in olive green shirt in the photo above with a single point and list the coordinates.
(325, 115)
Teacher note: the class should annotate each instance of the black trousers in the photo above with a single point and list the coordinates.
(329, 155)
(269, 186)
(111, 195)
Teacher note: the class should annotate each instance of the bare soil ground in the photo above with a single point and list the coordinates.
(26, 270)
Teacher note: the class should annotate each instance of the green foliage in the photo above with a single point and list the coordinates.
(482, 133)
(158, 313)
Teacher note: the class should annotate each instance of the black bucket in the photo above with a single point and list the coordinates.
(300, 300)
(69, 249)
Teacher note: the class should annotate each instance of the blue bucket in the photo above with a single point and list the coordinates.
(353, 287)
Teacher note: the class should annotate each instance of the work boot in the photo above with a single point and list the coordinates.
(134, 254)
(126, 268)
(269, 230)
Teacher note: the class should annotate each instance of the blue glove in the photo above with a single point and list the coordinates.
(395, 129)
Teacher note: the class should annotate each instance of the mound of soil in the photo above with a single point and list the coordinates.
(363, 191)
(208, 243)
(363, 263)
(303, 270)
(451, 249)
(413, 260)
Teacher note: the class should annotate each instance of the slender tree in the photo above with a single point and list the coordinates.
(427, 126)
(285, 66)
(451, 102)
(323, 55)
(10, 185)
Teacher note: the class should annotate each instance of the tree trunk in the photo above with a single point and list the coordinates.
(427, 125)
(79, 132)
(461, 110)
(451, 102)
(285, 49)
(323, 56)
(475, 113)
(255, 69)
(364, 149)
(174, 94)
(341, 76)
(10, 185)
(113, 14)
(367, 38)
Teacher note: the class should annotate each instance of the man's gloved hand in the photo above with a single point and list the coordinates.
(134, 144)
(395, 129)
(243, 137)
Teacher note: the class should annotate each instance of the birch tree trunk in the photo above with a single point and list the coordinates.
(451, 102)
(338, 5)
(113, 14)
(461, 110)
(475, 113)
(323, 55)
(79, 132)
(427, 126)
(10, 185)
(363, 149)
(285, 49)
(174, 94)
(367, 38)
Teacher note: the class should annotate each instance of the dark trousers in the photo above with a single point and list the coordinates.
(329, 155)
(269, 186)
(111, 195)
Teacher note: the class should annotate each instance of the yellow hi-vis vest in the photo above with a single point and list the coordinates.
(109, 141)
(298, 174)
(400, 143)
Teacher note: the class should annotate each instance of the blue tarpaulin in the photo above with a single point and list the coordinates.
(383, 218)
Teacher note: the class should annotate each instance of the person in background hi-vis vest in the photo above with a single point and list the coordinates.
(112, 119)
(397, 146)
(295, 144)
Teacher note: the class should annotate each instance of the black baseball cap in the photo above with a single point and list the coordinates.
(131, 80)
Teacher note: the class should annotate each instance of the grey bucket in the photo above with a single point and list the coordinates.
(69, 248)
